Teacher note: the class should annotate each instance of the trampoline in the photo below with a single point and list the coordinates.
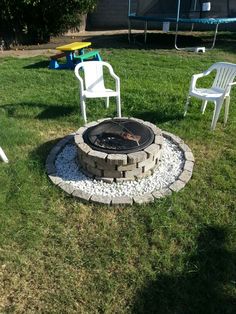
(191, 12)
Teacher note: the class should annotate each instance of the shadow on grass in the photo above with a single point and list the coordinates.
(206, 286)
(38, 65)
(54, 112)
(40, 154)
(45, 65)
(158, 116)
(27, 110)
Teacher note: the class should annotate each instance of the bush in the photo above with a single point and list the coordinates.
(34, 21)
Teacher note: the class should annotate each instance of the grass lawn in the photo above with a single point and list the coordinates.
(57, 255)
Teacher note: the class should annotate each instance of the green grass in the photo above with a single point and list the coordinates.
(58, 255)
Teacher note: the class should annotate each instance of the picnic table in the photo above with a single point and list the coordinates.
(74, 53)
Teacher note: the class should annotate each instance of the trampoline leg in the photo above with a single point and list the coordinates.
(214, 39)
(177, 25)
(145, 32)
(129, 30)
(176, 36)
(194, 9)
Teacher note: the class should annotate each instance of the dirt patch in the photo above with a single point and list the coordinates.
(21, 53)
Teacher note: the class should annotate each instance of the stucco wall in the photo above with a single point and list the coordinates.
(109, 14)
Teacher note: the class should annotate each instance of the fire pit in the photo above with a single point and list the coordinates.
(120, 149)
(80, 158)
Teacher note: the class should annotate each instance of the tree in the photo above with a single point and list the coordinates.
(34, 21)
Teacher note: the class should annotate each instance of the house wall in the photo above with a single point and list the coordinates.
(109, 14)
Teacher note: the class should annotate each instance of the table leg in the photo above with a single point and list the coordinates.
(81, 52)
(70, 60)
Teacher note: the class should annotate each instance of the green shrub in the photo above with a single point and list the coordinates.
(34, 21)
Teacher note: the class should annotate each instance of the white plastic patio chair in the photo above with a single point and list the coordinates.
(3, 156)
(217, 93)
(92, 85)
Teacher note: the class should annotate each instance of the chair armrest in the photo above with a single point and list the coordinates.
(112, 73)
(195, 77)
(231, 84)
(228, 88)
(77, 68)
(117, 80)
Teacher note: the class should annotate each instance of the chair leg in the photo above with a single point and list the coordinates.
(204, 104)
(3, 156)
(83, 109)
(227, 102)
(118, 105)
(186, 105)
(218, 105)
(107, 102)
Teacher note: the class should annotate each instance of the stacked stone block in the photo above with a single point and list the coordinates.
(119, 167)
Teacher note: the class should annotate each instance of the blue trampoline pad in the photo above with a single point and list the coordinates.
(184, 20)
(209, 20)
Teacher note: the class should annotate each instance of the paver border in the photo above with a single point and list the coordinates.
(175, 186)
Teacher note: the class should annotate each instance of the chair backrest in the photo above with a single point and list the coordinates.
(226, 73)
(93, 75)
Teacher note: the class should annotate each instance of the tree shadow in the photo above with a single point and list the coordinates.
(225, 40)
(155, 40)
(120, 41)
(45, 111)
(166, 41)
(205, 286)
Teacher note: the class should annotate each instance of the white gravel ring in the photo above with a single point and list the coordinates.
(170, 167)
(175, 161)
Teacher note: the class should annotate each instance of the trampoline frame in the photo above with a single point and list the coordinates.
(177, 21)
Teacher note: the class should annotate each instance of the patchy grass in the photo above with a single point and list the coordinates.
(60, 256)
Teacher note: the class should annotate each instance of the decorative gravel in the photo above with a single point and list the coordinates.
(171, 166)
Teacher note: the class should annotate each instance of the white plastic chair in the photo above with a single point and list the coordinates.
(3, 156)
(219, 91)
(92, 86)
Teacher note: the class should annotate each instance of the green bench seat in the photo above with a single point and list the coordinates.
(93, 54)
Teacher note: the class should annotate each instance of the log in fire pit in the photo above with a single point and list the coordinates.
(119, 149)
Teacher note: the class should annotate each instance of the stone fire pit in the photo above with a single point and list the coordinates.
(160, 166)
(114, 166)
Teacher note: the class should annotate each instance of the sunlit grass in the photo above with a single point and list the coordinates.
(61, 256)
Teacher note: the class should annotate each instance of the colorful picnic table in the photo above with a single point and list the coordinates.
(74, 53)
